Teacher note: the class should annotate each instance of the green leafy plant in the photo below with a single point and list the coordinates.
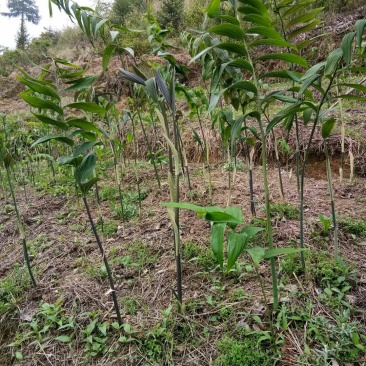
(326, 223)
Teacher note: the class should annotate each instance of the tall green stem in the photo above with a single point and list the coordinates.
(105, 260)
(21, 229)
(306, 153)
(331, 195)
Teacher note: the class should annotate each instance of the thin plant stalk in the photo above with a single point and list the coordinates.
(105, 260)
(306, 153)
(331, 195)
(21, 229)
(266, 186)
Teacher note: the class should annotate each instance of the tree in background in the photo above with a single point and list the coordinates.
(28, 11)
(171, 14)
(122, 9)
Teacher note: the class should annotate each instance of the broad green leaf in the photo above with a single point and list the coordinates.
(233, 48)
(304, 17)
(245, 85)
(151, 89)
(257, 19)
(267, 32)
(327, 127)
(81, 84)
(189, 206)
(332, 61)
(71, 75)
(352, 97)
(164, 89)
(303, 29)
(241, 64)
(222, 217)
(272, 42)
(313, 70)
(84, 171)
(306, 83)
(288, 57)
(64, 139)
(87, 186)
(19, 356)
(257, 254)
(88, 107)
(69, 160)
(257, 5)
(107, 54)
(234, 211)
(213, 8)
(360, 26)
(360, 87)
(229, 19)
(346, 46)
(217, 241)
(236, 243)
(132, 77)
(280, 251)
(41, 103)
(196, 137)
(282, 74)
(40, 89)
(138, 72)
(85, 147)
(228, 30)
(64, 339)
(84, 125)
(51, 121)
(307, 114)
(251, 231)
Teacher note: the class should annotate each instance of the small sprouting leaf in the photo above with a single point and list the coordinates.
(328, 127)
(257, 254)
(228, 30)
(64, 339)
(19, 356)
(236, 243)
(103, 328)
(217, 241)
(64, 139)
(115, 325)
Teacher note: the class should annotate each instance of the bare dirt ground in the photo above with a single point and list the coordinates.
(60, 274)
